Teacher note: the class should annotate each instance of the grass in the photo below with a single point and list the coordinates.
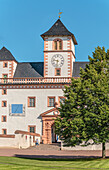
(10, 163)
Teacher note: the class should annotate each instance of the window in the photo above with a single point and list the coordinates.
(60, 45)
(4, 103)
(32, 129)
(4, 91)
(5, 76)
(17, 108)
(3, 118)
(5, 64)
(31, 101)
(4, 131)
(51, 101)
(57, 44)
(57, 71)
(61, 100)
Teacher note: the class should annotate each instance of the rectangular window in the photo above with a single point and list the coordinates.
(31, 101)
(60, 45)
(57, 71)
(51, 101)
(61, 100)
(3, 118)
(4, 131)
(16, 108)
(5, 76)
(5, 64)
(4, 91)
(55, 45)
(32, 129)
(4, 103)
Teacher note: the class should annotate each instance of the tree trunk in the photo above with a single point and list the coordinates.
(103, 150)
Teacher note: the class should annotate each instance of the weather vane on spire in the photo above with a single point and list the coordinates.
(60, 14)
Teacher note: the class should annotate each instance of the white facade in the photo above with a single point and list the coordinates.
(23, 91)
(32, 115)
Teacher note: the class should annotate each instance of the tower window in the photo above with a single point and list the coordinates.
(5, 64)
(57, 44)
(60, 45)
(57, 71)
(5, 76)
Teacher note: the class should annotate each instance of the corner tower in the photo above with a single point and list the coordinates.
(59, 51)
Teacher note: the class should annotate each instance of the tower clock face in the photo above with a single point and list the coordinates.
(57, 60)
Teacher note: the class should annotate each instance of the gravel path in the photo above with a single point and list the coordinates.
(34, 153)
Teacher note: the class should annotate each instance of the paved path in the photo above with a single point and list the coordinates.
(34, 153)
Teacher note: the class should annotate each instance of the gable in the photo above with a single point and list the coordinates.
(52, 112)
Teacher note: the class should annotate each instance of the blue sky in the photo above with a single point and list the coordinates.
(23, 21)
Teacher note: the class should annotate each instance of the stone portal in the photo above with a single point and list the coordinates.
(48, 129)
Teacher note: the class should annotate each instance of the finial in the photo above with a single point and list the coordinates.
(60, 14)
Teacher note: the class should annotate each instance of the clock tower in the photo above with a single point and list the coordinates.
(59, 51)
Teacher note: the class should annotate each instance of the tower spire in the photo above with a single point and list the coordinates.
(60, 14)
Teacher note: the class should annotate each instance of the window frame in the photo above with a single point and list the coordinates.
(51, 97)
(5, 118)
(60, 97)
(3, 92)
(16, 114)
(56, 43)
(4, 75)
(5, 62)
(4, 79)
(3, 131)
(33, 126)
(32, 97)
(3, 103)
(56, 71)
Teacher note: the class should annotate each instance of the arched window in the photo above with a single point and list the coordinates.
(57, 44)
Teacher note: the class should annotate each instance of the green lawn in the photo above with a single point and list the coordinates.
(58, 164)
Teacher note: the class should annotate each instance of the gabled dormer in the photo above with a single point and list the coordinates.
(7, 63)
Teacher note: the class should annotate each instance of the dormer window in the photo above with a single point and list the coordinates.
(57, 44)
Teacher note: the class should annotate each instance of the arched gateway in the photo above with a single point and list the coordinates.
(48, 131)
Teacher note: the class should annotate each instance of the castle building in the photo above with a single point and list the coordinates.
(31, 92)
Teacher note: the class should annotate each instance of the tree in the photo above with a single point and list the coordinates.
(84, 117)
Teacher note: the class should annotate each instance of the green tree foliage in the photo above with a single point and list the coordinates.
(84, 117)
